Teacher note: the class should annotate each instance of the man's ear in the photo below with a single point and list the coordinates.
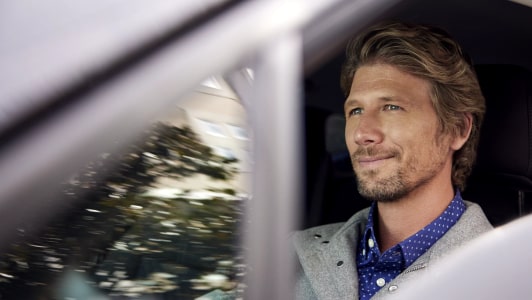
(465, 131)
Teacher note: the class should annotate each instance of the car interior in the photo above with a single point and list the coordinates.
(499, 48)
(76, 100)
(500, 180)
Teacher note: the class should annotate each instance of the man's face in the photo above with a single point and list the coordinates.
(393, 135)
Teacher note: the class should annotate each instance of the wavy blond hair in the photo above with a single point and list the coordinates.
(432, 54)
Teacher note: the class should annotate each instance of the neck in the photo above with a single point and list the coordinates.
(404, 217)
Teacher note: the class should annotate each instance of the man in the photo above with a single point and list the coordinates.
(413, 113)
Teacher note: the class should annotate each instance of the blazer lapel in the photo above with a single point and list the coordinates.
(333, 265)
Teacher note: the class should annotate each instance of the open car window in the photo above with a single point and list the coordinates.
(159, 220)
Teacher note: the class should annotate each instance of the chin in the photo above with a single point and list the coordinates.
(389, 190)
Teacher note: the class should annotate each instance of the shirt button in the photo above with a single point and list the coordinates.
(381, 282)
(371, 243)
(393, 288)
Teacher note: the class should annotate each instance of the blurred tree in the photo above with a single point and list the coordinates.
(99, 213)
(164, 150)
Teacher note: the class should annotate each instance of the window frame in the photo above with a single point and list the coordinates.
(84, 118)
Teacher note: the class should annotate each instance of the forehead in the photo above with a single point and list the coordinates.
(384, 81)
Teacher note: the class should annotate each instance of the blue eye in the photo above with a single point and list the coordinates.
(391, 107)
(356, 111)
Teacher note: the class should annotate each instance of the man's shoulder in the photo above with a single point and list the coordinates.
(474, 218)
(315, 236)
(471, 224)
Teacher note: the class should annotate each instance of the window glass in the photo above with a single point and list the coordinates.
(160, 220)
(212, 128)
(224, 152)
(237, 131)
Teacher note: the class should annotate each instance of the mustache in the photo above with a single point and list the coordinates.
(374, 152)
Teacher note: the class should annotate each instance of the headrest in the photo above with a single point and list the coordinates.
(335, 134)
(505, 148)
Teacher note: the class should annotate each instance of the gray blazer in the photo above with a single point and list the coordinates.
(327, 266)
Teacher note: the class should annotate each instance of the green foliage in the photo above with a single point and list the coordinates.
(164, 150)
(105, 209)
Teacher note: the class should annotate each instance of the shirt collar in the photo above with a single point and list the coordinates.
(417, 244)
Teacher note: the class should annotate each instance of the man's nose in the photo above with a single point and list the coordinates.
(368, 130)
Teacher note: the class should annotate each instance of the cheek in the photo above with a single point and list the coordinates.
(430, 145)
(413, 136)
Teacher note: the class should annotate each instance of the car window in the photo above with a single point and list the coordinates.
(154, 222)
(160, 220)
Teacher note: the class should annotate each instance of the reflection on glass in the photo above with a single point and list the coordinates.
(212, 82)
(212, 128)
(237, 131)
(159, 221)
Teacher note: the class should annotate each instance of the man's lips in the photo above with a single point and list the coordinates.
(373, 157)
(372, 161)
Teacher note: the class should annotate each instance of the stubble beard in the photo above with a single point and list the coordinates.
(389, 189)
(401, 182)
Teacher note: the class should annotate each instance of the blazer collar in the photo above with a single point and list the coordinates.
(335, 262)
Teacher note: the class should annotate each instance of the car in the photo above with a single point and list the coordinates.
(166, 150)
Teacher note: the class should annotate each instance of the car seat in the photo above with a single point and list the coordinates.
(332, 194)
(502, 177)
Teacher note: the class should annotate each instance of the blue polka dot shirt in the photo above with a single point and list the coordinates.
(376, 269)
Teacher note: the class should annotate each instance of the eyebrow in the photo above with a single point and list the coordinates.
(354, 102)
